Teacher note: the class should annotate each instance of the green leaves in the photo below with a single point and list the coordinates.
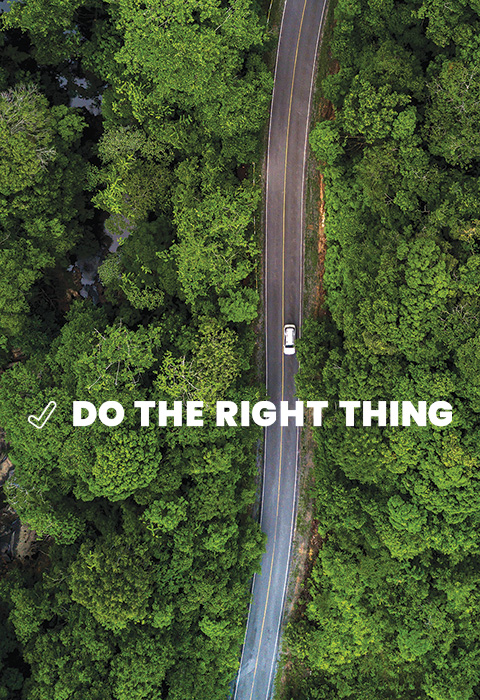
(117, 359)
(325, 142)
(452, 117)
(208, 374)
(177, 60)
(110, 580)
(41, 206)
(405, 516)
(165, 516)
(216, 249)
(125, 461)
(26, 137)
(370, 112)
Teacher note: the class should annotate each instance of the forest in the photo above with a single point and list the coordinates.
(390, 609)
(146, 120)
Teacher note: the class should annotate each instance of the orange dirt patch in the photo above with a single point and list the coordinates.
(325, 111)
(5, 467)
(319, 305)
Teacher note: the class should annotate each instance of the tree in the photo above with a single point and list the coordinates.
(54, 30)
(216, 250)
(41, 199)
(117, 359)
(325, 142)
(212, 369)
(370, 112)
(454, 112)
(111, 581)
(179, 42)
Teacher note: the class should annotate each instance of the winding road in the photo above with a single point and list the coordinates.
(286, 164)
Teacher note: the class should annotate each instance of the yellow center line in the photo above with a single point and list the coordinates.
(283, 324)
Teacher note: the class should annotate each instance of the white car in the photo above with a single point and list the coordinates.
(289, 333)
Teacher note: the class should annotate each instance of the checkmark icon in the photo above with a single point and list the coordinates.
(39, 421)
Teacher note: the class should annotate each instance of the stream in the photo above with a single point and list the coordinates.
(88, 267)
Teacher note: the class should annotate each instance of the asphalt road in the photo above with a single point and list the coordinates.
(286, 160)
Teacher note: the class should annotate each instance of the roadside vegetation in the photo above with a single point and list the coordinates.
(148, 541)
(390, 610)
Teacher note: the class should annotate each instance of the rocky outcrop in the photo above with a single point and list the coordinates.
(5, 468)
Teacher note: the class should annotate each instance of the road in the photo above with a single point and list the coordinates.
(286, 161)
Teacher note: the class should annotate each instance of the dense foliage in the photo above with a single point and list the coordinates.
(142, 587)
(391, 608)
